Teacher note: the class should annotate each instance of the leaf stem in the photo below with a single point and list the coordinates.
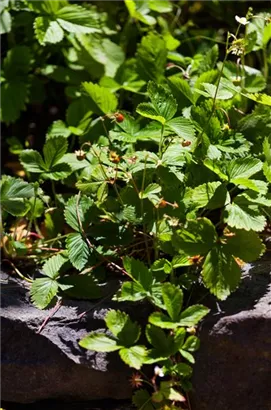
(161, 141)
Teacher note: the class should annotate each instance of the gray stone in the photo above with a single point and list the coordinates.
(233, 365)
(51, 364)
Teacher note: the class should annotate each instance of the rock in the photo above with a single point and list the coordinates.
(233, 365)
(51, 365)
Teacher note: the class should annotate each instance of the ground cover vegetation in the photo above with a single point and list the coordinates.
(137, 146)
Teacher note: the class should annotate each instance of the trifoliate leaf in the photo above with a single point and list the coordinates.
(162, 100)
(197, 239)
(78, 250)
(159, 340)
(102, 100)
(133, 356)
(32, 161)
(221, 274)
(122, 327)
(99, 342)
(42, 292)
(209, 193)
(161, 320)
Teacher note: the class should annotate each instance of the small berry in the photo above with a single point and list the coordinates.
(186, 143)
(80, 155)
(119, 117)
(114, 157)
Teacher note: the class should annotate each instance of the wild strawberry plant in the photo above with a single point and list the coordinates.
(158, 173)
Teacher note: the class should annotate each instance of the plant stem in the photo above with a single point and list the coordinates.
(161, 141)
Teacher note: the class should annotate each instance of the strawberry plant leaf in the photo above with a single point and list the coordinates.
(245, 245)
(77, 19)
(78, 250)
(42, 291)
(131, 292)
(197, 239)
(242, 215)
(99, 342)
(192, 315)
(243, 168)
(78, 212)
(47, 30)
(102, 100)
(14, 195)
(173, 300)
(161, 320)
(133, 356)
(138, 272)
(80, 287)
(191, 344)
(52, 266)
(221, 274)
(122, 327)
(141, 398)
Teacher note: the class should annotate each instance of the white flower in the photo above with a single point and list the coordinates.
(241, 20)
(158, 371)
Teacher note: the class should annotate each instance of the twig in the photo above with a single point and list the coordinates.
(51, 314)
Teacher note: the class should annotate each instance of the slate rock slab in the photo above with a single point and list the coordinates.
(51, 365)
(233, 365)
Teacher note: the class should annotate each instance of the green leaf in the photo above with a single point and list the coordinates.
(47, 30)
(42, 292)
(173, 300)
(147, 110)
(161, 6)
(138, 272)
(58, 128)
(99, 343)
(162, 100)
(192, 315)
(259, 98)
(197, 239)
(221, 274)
(78, 212)
(183, 127)
(5, 22)
(211, 195)
(188, 356)
(169, 393)
(221, 94)
(131, 291)
(78, 250)
(15, 95)
(191, 344)
(77, 19)
(149, 191)
(80, 287)
(158, 339)
(243, 168)
(267, 149)
(245, 245)
(133, 356)
(181, 88)
(241, 215)
(139, 13)
(14, 195)
(17, 63)
(151, 57)
(53, 150)
(32, 161)
(122, 327)
(183, 370)
(266, 34)
(141, 398)
(52, 266)
(162, 320)
(102, 100)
